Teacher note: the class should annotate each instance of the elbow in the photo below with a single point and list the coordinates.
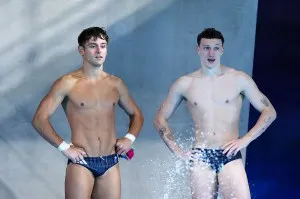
(37, 120)
(274, 115)
(141, 118)
(157, 123)
(137, 117)
(140, 115)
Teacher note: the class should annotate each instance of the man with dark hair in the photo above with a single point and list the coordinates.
(88, 97)
(214, 97)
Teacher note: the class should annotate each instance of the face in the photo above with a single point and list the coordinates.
(210, 52)
(94, 51)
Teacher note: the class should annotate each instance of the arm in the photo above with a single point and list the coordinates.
(136, 118)
(261, 103)
(41, 120)
(166, 110)
(48, 105)
(129, 106)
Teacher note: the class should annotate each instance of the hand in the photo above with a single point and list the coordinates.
(75, 154)
(234, 146)
(185, 156)
(123, 145)
(190, 156)
(193, 157)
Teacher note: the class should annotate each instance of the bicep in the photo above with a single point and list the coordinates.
(171, 102)
(126, 102)
(51, 101)
(258, 100)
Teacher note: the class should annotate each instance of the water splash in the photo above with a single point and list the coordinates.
(170, 178)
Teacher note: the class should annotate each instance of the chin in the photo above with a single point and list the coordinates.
(210, 66)
(97, 64)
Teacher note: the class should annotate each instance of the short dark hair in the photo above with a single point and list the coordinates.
(88, 33)
(210, 33)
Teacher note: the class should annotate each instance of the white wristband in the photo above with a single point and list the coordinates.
(130, 137)
(63, 146)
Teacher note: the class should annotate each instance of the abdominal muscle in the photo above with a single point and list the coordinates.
(94, 131)
(215, 128)
(213, 138)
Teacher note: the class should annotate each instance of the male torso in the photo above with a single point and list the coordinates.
(89, 107)
(215, 104)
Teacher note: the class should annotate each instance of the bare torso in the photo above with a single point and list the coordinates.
(89, 107)
(215, 104)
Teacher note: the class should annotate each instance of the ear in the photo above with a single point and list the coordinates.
(222, 51)
(81, 50)
(198, 50)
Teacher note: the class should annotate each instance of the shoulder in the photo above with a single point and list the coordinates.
(115, 81)
(237, 74)
(66, 82)
(181, 84)
(186, 80)
(243, 80)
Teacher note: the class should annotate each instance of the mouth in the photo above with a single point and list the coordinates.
(98, 57)
(211, 60)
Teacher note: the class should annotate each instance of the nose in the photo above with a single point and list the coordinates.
(98, 50)
(211, 52)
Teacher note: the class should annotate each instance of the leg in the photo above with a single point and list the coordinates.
(79, 182)
(108, 186)
(233, 182)
(203, 182)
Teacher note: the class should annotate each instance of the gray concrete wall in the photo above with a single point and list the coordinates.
(153, 43)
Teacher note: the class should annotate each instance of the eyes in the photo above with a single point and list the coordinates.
(207, 48)
(93, 46)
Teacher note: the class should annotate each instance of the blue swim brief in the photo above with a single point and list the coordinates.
(99, 165)
(215, 157)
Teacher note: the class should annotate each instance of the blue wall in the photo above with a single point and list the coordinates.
(273, 159)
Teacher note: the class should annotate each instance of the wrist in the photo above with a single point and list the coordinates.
(177, 150)
(248, 138)
(63, 146)
(130, 137)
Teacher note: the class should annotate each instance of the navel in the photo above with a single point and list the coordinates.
(195, 103)
(99, 143)
(81, 104)
(227, 101)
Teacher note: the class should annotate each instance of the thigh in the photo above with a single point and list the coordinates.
(79, 182)
(203, 181)
(108, 186)
(233, 182)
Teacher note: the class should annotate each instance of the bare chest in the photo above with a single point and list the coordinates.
(94, 96)
(206, 92)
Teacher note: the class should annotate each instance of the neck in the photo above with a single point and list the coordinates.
(92, 71)
(212, 72)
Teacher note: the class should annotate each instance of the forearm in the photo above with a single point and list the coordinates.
(46, 131)
(166, 134)
(136, 124)
(264, 121)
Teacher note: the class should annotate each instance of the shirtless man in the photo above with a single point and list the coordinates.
(214, 96)
(88, 96)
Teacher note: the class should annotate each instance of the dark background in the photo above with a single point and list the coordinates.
(273, 159)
